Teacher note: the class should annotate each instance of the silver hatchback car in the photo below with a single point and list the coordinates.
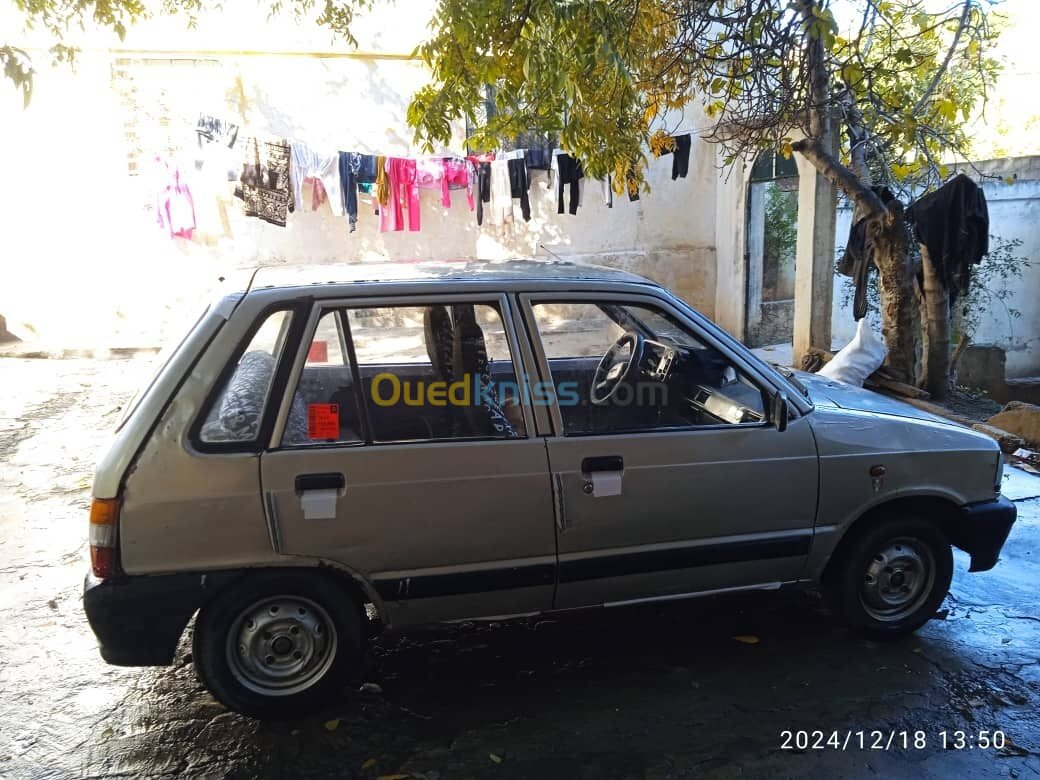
(437, 441)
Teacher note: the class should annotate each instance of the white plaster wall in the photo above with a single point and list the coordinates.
(77, 233)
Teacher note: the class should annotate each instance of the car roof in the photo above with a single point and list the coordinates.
(511, 274)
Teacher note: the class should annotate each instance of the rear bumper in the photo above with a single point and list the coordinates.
(981, 530)
(139, 620)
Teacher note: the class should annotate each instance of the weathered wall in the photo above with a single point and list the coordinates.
(79, 235)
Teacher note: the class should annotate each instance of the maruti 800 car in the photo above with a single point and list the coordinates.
(427, 442)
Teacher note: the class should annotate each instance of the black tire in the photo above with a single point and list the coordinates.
(863, 583)
(300, 626)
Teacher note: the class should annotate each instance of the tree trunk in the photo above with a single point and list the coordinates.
(935, 353)
(887, 236)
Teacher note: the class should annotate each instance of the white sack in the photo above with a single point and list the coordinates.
(858, 359)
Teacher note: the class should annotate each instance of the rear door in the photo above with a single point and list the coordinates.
(657, 498)
(380, 466)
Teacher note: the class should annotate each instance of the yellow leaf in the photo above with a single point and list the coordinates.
(369, 764)
(332, 725)
(1009, 179)
(943, 171)
(747, 639)
(496, 759)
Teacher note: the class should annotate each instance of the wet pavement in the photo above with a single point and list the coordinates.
(701, 689)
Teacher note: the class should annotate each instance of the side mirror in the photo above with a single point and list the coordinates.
(779, 411)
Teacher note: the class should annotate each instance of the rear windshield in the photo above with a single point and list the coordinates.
(161, 361)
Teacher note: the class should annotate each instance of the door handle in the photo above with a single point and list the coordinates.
(331, 481)
(602, 463)
(602, 476)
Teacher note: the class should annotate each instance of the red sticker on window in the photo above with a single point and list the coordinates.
(323, 421)
(319, 352)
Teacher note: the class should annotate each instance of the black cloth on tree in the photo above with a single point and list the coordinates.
(953, 223)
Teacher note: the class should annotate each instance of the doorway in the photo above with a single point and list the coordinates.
(772, 237)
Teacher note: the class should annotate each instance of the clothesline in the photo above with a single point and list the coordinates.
(278, 176)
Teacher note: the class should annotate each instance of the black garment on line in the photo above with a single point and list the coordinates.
(953, 223)
(483, 193)
(681, 160)
(519, 184)
(570, 173)
(858, 259)
(349, 165)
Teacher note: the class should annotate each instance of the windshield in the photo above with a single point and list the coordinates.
(161, 361)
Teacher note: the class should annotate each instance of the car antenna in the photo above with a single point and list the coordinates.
(548, 250)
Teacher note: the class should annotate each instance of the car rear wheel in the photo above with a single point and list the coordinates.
(891, 576)
(278, 644)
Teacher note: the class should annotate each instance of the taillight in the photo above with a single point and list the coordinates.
(104, 529)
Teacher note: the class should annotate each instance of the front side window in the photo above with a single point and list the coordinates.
(619, 367)
(236, 413)
(439, 371)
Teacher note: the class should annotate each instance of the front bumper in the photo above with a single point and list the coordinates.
(139, 620)
(981, 530)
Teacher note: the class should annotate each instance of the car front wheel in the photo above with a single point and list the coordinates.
(278, 644)
(891, 576)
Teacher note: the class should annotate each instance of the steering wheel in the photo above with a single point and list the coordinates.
(611, 373)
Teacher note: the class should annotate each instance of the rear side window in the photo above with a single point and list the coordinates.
(239, 407)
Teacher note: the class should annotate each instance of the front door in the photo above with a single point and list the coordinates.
(443, 506)
(669, 477)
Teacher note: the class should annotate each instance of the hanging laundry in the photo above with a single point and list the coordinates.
(318, 166)
(210, 129)
(382, 185)
(632, 182)
(457, 173)
(858, 258)
(264, 182)
(430, 174)
(174, 207)
(519, 185)
(568, 172)
(349, 167)
(681, 158)
(482, 191)
(501, 210)
(539, 158)
(403, 194)
(953, 223)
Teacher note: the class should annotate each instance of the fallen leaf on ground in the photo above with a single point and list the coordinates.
(332, 725)
(496, 759)
(369, 764)
(747, 639)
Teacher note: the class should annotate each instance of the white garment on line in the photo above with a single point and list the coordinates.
(308, 163)
(500, 210)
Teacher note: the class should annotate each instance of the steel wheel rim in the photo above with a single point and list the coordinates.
(281, 645)
(898, 579)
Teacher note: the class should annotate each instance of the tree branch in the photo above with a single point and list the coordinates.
(926, 95)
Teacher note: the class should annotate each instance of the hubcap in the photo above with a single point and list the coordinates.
(281, 645)
(898, 579)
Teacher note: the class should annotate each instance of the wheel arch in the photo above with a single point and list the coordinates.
(940, 510)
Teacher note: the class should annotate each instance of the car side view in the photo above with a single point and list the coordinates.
(429, 442)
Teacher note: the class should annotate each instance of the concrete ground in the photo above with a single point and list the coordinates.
(700, 689)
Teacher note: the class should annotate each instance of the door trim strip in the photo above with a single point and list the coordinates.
(613, 565)
(672, 558)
